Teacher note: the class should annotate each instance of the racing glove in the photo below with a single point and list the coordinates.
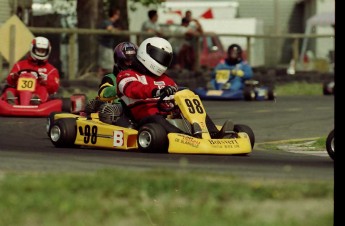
(166, 91)
(14, 76)
(238, 73)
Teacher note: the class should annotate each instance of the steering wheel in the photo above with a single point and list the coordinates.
(28, 71)
(162, 104)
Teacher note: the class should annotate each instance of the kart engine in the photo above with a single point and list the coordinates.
(110, 113)
(93, 105)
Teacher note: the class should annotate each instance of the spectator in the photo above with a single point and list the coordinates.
(193, 23)
(37, 60)
(233, 71)
(183, 46)
(151, 25)
(107, 42)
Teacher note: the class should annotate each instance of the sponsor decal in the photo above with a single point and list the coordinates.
(188, 141)
(224, 143)
(159, 83)
(118, 138)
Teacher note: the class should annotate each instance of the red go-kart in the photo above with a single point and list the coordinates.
(23, 102)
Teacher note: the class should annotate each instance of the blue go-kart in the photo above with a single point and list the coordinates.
(252, 91)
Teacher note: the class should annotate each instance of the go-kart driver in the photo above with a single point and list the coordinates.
(140, 87)
(238, 70)
(37, 60)
(124, 54)
(107, 103)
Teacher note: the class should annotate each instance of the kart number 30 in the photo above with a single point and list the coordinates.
(27, 84)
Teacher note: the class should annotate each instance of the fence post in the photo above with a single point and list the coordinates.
(72, 56)
(12, 45)
(248, 48)
(295, 52)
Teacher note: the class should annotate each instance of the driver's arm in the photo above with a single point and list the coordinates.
(12, 78)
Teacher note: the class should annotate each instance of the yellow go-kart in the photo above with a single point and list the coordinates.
(185, 111)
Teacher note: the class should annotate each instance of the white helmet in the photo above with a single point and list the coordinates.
(40, 48)
(155, 54)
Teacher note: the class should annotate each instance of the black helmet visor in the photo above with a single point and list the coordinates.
(159, 55)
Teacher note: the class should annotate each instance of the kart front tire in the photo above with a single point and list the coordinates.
(152, 137)
(63, 132)
(249, 94)
(247, 130)
(330, 144)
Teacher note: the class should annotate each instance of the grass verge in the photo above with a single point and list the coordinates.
(159, 197)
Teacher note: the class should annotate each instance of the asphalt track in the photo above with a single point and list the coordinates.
(25, 146)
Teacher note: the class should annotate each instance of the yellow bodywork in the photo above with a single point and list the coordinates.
(93, 133)
(192, 109)
(184, 144)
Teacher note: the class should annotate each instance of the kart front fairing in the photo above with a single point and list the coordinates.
(193, 111)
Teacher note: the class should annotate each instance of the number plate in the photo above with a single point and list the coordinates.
(26, 84)
(222, 76)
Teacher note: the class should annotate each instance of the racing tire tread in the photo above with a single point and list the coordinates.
(159, 141)
(68, 135)
(247, 130)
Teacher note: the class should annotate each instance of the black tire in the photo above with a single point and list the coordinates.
(249, 94)
(66, 105)
(50, 122)
(152, 137)
(247, 130)
(271, 94)
(63, 133)
(326, 89)
(330, 144)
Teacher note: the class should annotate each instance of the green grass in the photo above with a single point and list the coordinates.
(158, 197)
(299, 89)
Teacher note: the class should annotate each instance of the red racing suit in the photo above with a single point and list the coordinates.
(49, 81)
(136, 90)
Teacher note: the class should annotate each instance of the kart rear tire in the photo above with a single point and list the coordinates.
(270, 94)
(66, 105)
(152, 137)
(247, 130)
(63, 133)
(326, 90)
(330, 144)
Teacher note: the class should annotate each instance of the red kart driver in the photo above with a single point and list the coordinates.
(37, 60)
(141, 87)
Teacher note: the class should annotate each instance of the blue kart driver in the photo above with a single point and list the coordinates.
(232, 72)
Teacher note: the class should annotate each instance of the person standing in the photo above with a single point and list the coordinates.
(193, 23)
(184, 54)
(151, 25)
(107, 42)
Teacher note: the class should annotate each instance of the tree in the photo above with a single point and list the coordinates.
(90, 13)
